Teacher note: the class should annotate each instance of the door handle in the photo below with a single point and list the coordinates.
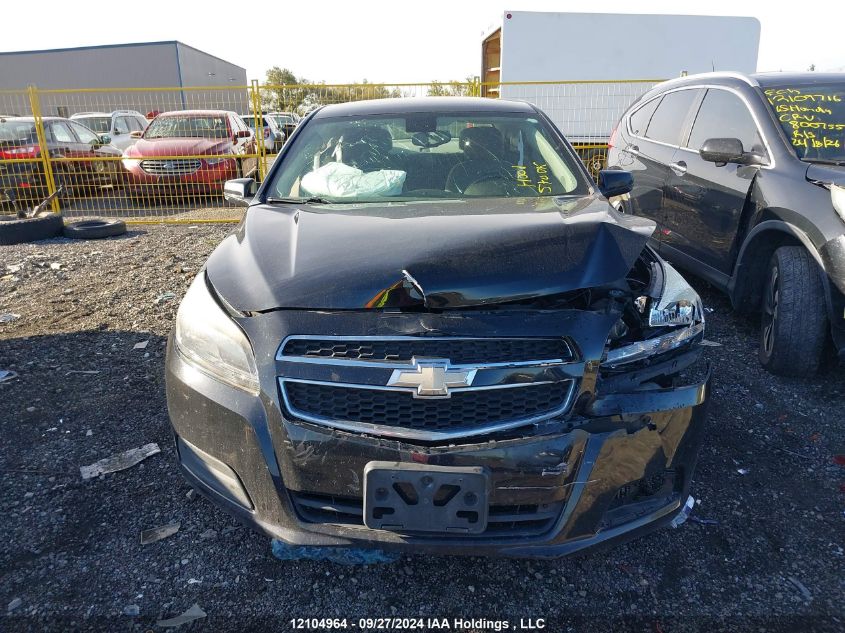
(680, 168)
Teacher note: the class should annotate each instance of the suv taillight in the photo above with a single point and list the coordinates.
(24, 151)
(614, 136)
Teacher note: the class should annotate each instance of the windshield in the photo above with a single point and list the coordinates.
(12, 131)
(188, 126)
(250, 121)
(813, 117)
(427, 155)
(100, 124)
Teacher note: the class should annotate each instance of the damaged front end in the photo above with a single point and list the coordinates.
(539, 424)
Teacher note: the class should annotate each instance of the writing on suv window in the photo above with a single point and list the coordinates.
(813, 118)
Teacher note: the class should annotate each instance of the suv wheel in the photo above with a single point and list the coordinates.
(794, 315)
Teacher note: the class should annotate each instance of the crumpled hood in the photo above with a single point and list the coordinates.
(178, 147)
(454, 253)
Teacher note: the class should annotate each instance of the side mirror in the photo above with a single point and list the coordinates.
(240, 191)
(615, 182)
(105, 139)
(136, 134)
(722, 151)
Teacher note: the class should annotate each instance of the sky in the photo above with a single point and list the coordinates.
(387, 41)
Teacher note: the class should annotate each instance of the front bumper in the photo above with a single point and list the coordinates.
(620, 468)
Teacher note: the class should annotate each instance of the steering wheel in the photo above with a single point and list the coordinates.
(490, 177)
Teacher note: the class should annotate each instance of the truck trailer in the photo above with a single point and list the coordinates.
(584, 69)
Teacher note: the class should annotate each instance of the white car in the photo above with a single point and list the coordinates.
(119, 125)
(274, 136)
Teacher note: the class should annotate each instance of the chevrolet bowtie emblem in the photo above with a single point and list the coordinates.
(431, 378)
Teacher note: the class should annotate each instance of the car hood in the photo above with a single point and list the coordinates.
(439, 254)
(178, 147)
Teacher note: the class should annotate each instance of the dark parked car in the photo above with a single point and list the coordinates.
(745, 178)
(431, 331)
(189, 152)
(72, 145)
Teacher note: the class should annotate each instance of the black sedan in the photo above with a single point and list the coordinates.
(432, 332)
(745, 178)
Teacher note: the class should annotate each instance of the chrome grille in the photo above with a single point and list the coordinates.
(414, 388)
(171, 167)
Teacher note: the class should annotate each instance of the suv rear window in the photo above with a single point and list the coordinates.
(668, 119)
(642, 116)
(12, 131)
(100, 124)
(813, 118)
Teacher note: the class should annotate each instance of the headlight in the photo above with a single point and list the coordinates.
(131, 163)
(679, 304)
(652, 346)
(679, 307)
(837, 197)
(208, 339)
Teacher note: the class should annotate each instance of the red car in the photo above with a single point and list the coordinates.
(189, 152)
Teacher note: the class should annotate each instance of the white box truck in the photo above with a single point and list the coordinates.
(607, 56)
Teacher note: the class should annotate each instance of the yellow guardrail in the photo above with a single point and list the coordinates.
(187, 188)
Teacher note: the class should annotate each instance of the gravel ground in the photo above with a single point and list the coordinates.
(70, 557)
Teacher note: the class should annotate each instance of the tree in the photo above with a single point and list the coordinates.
(283, 90)
(454, 88)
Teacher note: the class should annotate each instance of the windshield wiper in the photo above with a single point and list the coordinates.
(824, 161)
(309, 200)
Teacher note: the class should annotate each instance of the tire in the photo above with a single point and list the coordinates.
(14, 230)
(94, 229)
(794, 323)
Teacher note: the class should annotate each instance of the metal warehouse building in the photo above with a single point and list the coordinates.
(166, 66)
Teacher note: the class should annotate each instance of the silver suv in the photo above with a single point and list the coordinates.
(119, 125)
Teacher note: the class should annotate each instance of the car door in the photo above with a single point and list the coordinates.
(120, 132)
(654, 142)
(246, 145)
(88, 148)
(68, 148)
(705, 200)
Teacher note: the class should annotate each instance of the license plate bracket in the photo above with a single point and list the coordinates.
(406, 497)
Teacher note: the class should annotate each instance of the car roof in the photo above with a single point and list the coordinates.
(403, 105)
(757, 80)
(804, 78)
(196, 113)
(29, 119)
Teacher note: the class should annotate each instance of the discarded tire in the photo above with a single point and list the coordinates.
(94, 229)
(15, 230)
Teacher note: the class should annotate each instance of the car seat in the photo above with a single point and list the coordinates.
(483, 148)
(366, 148)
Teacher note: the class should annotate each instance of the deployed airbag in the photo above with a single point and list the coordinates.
(338, 180)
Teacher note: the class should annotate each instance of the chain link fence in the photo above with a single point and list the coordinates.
(163, 154)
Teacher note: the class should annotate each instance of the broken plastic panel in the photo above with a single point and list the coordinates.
(342, 556)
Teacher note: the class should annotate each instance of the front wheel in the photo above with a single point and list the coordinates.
(794, 315)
